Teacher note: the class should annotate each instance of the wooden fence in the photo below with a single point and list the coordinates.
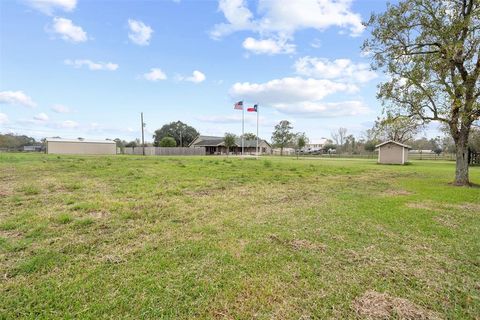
(374, 155)
(160, 151)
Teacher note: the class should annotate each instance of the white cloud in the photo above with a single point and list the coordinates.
(268, 46)
(285, 17)
(155, 74)
(287, 90)
(41, 117)
(340, 69)
(67, 30)
(49, 6)
(196, 77)
(109, 66)
(229, 119)
(59, 108)
(69, 124)
(301, 96)
(139, 33)
(290, 16)
(324, 109)
(16, 98)
(3, 118)
(238, 16)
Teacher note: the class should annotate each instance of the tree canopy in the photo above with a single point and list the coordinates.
(400, 128)
(282, 135)
(300, 141)
(229, 141)
(249, 136)
(10, 140)
(167, 142)
(430, 53)
(181, 132)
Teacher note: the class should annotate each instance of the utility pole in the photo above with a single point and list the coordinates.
(143, 136)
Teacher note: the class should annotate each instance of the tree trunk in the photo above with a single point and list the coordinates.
(281, 151)
(461, 165)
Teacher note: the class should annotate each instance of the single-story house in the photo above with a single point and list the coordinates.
(392, 152)
(80, 146)
(216, 145)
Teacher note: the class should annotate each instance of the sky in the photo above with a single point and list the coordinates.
(85, 68)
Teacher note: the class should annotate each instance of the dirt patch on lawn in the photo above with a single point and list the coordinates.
(376, 305)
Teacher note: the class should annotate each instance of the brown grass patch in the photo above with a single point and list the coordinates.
(468, 206)
(400, 192)
(199, 193)
(432, 206)
(376, 305)
(423, 205)
(299, 244)
(99, 214)
(9, 234)
(446, 221)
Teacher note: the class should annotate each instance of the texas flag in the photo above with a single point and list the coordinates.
(253, 109)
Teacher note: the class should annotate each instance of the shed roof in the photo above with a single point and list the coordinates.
(79, 141)
(395, 142)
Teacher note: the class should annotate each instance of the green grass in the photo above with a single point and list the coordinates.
(211, 237)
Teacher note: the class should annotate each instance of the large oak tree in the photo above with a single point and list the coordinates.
(430, 52)
(181, 132)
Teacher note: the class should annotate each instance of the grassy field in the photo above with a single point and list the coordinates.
(210, 237)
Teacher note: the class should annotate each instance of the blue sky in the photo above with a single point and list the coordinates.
(88, 68)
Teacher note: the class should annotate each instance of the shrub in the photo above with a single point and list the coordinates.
(168, 142)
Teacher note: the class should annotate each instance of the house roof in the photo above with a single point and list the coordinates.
(79, 141)
(211, 141)
(395, 142)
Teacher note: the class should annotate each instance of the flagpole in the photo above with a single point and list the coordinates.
(257, 133)
(243, 125)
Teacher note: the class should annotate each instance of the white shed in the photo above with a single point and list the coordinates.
(80, 146)
(392, 152)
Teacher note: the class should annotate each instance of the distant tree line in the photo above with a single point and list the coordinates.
(14, 141)
(401, 129)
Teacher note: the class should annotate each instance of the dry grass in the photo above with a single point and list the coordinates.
(375, 305)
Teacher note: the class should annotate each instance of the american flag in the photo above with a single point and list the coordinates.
(238, 105)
